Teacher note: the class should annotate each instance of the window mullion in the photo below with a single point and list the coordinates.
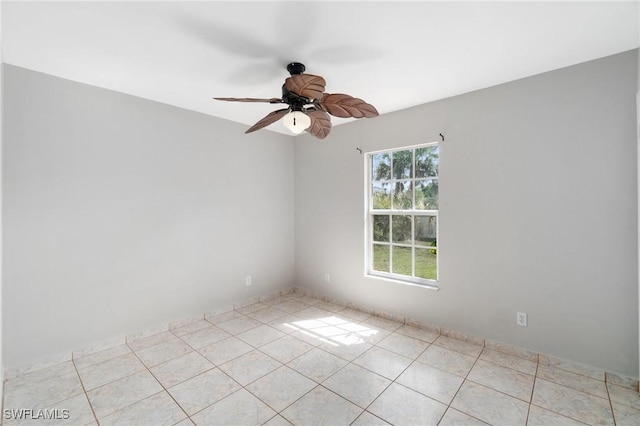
(413, 205)
(413, 248)
(390, 243)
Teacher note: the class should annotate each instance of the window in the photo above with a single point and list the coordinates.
(402, 214)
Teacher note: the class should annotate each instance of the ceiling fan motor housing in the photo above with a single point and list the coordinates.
(295, 101)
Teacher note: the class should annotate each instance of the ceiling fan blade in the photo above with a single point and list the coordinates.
(271, 101)
(272, 117)
(345, 106)
(320, 125)
(306, 85)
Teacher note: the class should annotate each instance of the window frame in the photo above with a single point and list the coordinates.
(370, 212)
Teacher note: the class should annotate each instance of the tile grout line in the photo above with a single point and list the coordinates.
(506, 366)
(558, 384)
(391, 381)
(533, 389)
(244, 387)
(464, 379)
(298, 399)
(459, 387)
(158, 381)
(535, 378)
(316, 384)
(613, 414)
(367, 412)
(501, 391)
(530, 403)
(394, 380)
(84, 390)
(351, 362)
(164, 389)
(214, 403)
(161, 385)
(215, 366)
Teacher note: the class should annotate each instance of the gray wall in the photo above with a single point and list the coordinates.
(638, 168)
(122, 214)
(1, 239)
(538, 212)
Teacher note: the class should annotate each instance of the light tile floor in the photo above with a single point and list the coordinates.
(303, 361)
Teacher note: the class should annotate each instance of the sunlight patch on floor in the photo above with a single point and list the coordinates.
(333, 330)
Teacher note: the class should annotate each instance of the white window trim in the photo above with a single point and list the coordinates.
(369, 272)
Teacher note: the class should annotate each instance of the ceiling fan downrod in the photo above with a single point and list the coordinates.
(296, 68)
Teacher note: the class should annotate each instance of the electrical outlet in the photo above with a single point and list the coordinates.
(327, 277)
(521, 319)
(247, 281)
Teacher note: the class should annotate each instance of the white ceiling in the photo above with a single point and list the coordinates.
(392, 54)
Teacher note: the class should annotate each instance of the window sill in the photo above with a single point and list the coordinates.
(409, 283)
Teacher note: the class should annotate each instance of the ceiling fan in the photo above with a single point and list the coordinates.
(308, 105)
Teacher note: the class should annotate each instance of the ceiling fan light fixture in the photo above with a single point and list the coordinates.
(296, 122)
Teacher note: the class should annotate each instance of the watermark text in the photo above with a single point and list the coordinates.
(35, 414)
